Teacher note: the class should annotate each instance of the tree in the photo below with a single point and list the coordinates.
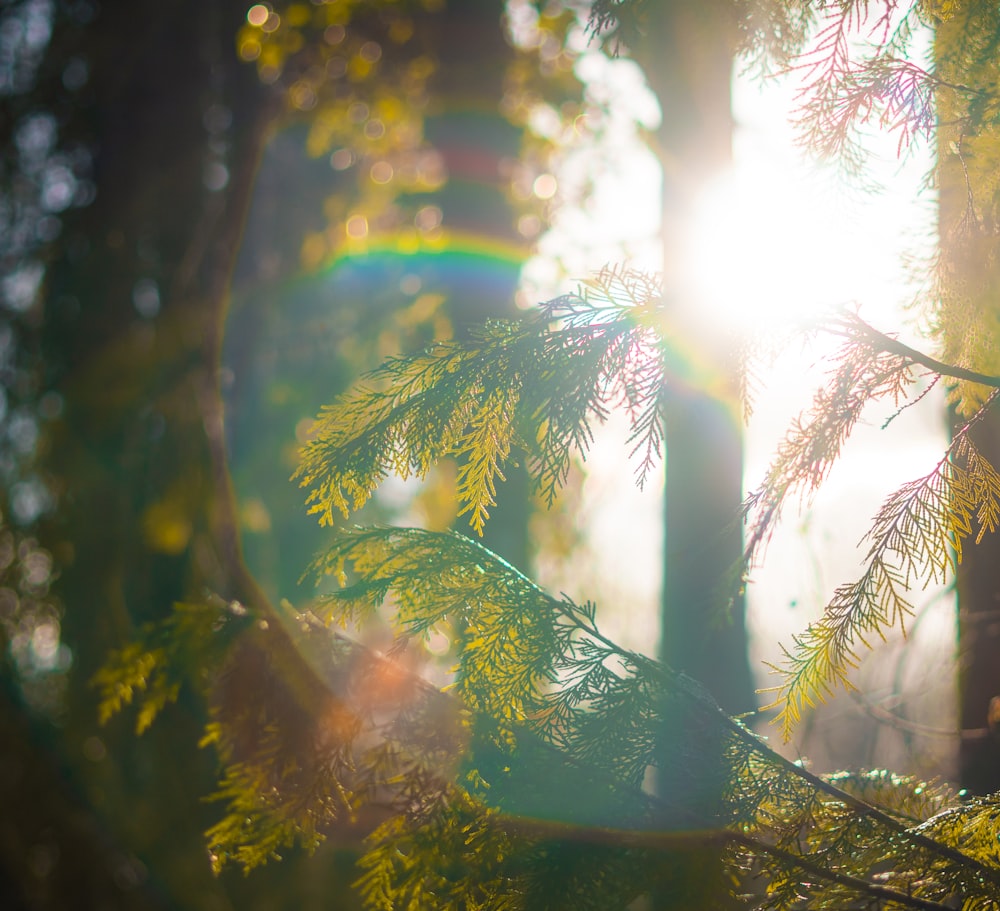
(397, 248)
(967, 278)
(687, 52)
(121, 256)
(523, 786)
(109, 336)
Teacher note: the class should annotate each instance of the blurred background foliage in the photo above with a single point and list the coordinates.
(223, 205)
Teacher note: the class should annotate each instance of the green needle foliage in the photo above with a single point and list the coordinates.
(524, 783)
(535, 385)
(916, 537)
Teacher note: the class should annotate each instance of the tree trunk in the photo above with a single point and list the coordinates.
(475, 140)
(968, 183)
(978, 587)
(144, 518)
(687, 57)
(689, 67)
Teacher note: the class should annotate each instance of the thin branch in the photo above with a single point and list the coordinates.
(545, 830)
(898, 722)
(892, 345)
(856, 803)
(877, 892)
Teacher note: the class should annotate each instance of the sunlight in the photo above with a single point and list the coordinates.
(775, 241)
(780, 237)
(759, 251)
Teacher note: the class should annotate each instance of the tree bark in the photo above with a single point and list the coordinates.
(687, 56)
(969, 271)
(689, 67)
(145, 517)
(475, 140)
(978, 588)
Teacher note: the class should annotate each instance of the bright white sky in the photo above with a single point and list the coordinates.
(797, 239)
(843, 246)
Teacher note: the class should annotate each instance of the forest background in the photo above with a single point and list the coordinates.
(147, 147)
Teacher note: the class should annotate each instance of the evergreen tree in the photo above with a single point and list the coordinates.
(522, 785)
(131, 175)
(967, 281)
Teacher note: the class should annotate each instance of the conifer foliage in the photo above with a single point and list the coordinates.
(522, 786)
(523, 783)
(536, 384)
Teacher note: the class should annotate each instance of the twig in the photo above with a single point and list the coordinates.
(893, 346)
(820, 784)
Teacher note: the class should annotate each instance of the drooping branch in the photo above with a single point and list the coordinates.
(856, 329)
(916, 537)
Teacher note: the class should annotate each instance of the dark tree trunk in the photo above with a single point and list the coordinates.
(968, 239)
(689, 68)
(978, 586)
(476, 141)
(688, 61)
(144, 517)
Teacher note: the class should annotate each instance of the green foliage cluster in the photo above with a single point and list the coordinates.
(535, 384)
(522, 785)
(916, 536)
(149, 672)
(965, 315)
(525, 783)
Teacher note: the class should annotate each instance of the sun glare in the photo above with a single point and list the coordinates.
(756, 256)
(770, 248)
(780, 237)
(774, 241)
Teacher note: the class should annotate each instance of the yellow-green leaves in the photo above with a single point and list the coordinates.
(509, 641)
(533, 385)
(545, 807)
(915, 540)
(267, 808)
(524, 658)
(151, 670)
(864, 374)
(487, 442)
(132, 671)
